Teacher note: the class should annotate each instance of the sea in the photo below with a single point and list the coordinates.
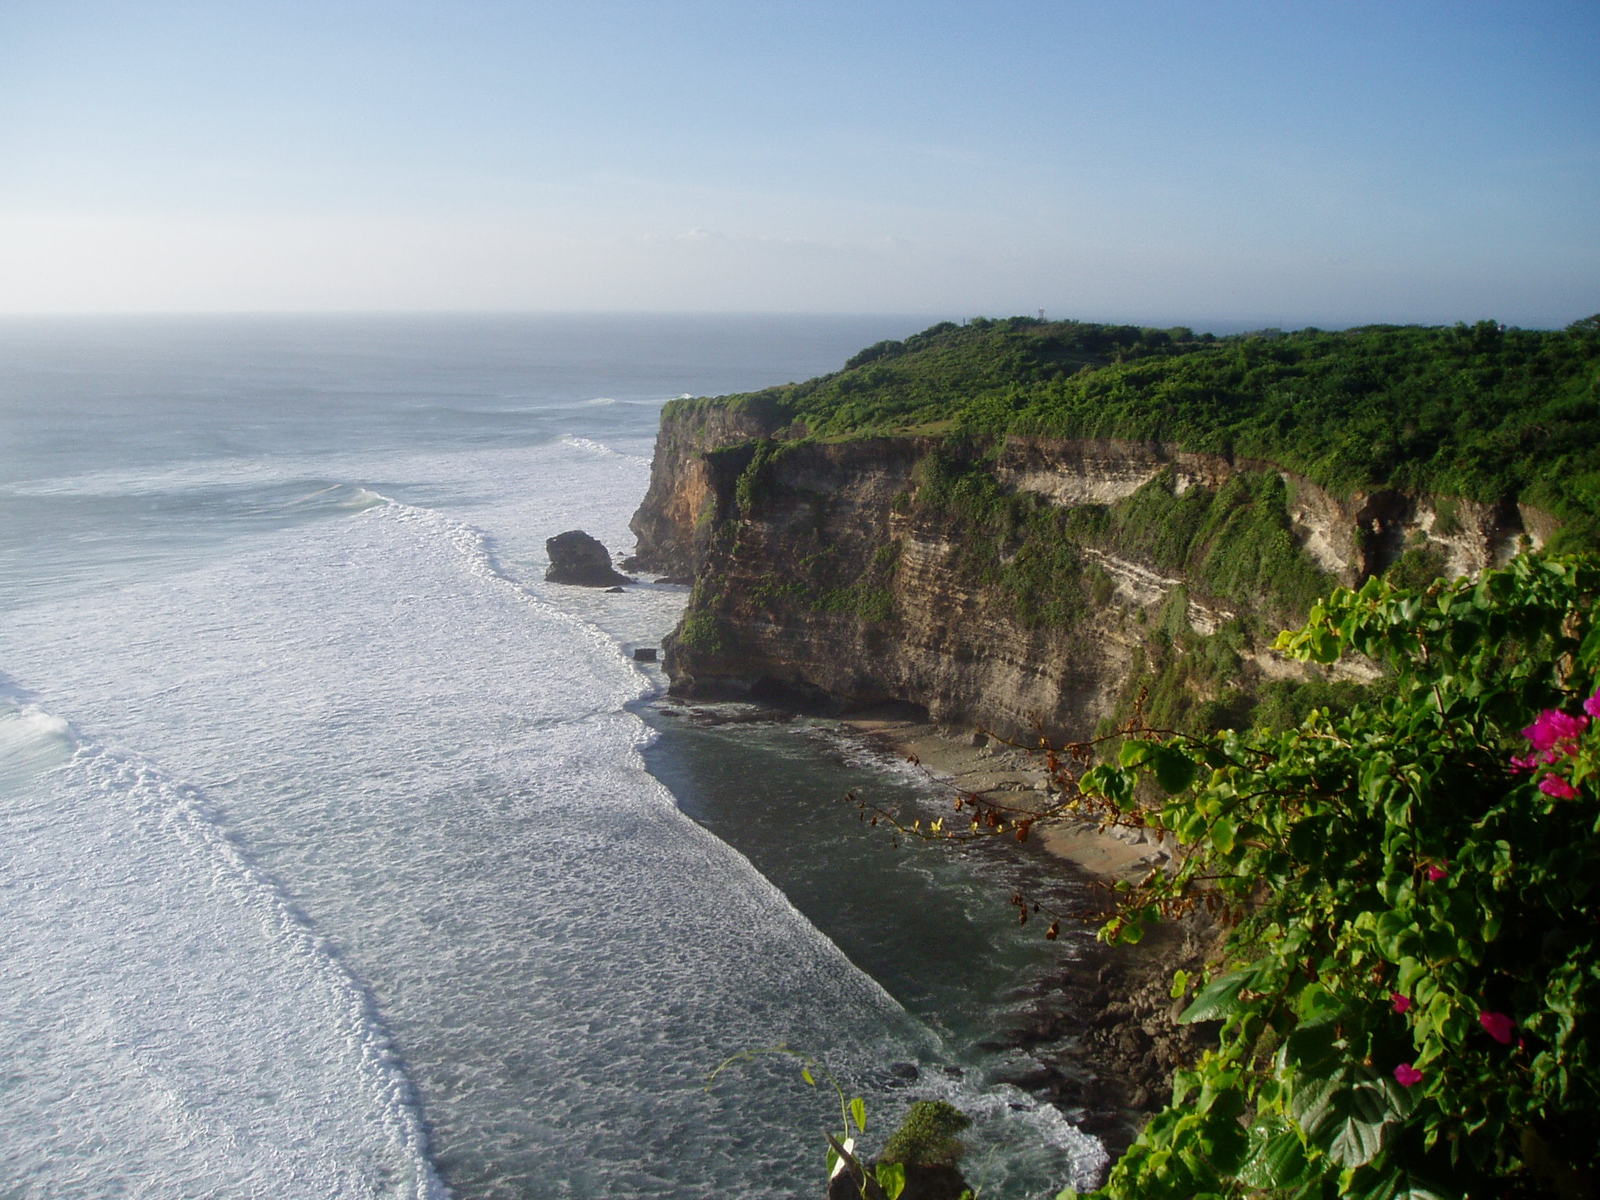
(342, 856)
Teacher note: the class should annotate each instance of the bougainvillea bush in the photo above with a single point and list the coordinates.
(1407, 1002)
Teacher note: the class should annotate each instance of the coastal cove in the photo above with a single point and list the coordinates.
(800, 601)
(344, 854)
(1077, 1024)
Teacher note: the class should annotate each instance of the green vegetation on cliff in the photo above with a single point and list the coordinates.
(1480, 411)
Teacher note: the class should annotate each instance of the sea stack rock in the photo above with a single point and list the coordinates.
(575, 557)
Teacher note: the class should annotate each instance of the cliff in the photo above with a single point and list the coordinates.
(1051, 528)
(675, 521)
(1018, 583)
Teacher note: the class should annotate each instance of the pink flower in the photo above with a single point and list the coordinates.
(1525, 763)
(1434, 872)
(1592, 704)
(1498, 1026)
(1554, 785)
(1407, 1076)
(1553, 728)
(1400, 1003)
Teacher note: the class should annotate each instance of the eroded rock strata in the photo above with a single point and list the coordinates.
(843, 572)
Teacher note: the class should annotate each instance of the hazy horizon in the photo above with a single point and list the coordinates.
(915, 322)
(1327, 164)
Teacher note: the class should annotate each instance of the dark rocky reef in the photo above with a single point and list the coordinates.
(576, 557)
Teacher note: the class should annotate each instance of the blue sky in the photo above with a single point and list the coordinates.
(1287, 163)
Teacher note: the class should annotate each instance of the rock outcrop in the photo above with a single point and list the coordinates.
(576, 557)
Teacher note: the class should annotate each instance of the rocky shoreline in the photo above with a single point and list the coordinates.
(1103, 1028)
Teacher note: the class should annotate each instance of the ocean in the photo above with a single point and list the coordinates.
(342, 856)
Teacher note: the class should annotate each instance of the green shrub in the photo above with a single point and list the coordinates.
(1408, 998)
(1423, 409)
(700, 631)
(927, 1137)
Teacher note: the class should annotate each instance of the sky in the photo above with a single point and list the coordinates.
(1296, 162)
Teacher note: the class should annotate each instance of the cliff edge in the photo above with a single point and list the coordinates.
(1047, 530)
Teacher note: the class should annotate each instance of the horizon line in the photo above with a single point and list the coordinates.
(1252, 322)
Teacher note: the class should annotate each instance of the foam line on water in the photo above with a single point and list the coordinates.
(472, 546)
(998, 1110)
(600, 448)
(174, 811)
(122, 482)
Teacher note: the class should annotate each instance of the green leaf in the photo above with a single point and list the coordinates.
(1316, 1005)
(891, 1178)
(1222, 834)
(1180, 984)
(1133, 754)
(1311, 1047)
(1278, 1162)
(858, 1113)
(1175, 770)
(805, 1073)
(1397, 1184)
(1396, 935)
(1346, 1114)
(1219, 999)
(1357, 1137)
(1114, 784)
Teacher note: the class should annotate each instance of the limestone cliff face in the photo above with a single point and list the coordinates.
(827, 591)
(673, 523)
(819, 572)
(1350, 538)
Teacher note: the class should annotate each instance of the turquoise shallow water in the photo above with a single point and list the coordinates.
(335, 856)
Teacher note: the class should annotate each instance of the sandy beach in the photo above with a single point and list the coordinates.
(1010, 777)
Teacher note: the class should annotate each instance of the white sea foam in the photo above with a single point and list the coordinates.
(379, 768)
(594, 447)
(852, 747)
(124, 482)
(1008, 1125)
(358, 498)
(30, 740)
(471, 545)
(155, 967)
(437, 758)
